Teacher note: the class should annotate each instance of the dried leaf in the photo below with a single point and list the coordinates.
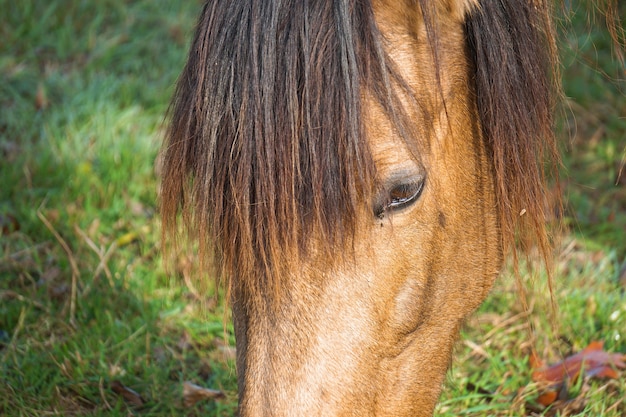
(126, 393)
(593, 361)
(534, 360)
(41, 98)
(548, 398)
(596, 362)
(193, 393)
(8, 224)
(50, 274)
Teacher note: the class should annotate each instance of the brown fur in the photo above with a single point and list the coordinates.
(291, 125)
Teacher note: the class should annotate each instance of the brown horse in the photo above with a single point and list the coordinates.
(356, 170)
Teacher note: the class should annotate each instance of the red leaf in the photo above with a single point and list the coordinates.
(548, 398)
(592, 361)
(596, 362)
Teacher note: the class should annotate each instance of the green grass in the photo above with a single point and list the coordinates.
(85, 300)
(594, 131)
(491, 371)
(85, 86)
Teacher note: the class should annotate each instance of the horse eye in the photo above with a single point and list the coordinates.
(399, 197)
(404, 195)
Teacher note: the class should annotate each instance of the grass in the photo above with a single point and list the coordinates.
(594, 128)
(491, 371)
(84, 298)
(85, 302)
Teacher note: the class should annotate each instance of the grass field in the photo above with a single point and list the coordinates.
(86, 307)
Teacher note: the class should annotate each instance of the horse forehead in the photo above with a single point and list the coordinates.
(459, 8)
(409, 47)
(390, 153)
(408, 13)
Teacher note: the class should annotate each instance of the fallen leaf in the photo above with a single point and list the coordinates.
(193, 393)
(548, 398)
(8, 224)
(126, 393)
(593, 361)
(41, 98)
(50, 274)
(596, 362)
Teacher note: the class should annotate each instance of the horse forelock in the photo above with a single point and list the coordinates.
(266, 144)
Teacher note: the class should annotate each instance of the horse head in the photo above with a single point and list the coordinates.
(355, 170)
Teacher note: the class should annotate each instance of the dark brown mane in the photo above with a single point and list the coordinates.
(266, 143)
(511, 45)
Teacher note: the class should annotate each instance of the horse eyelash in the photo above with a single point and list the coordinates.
(408, 193)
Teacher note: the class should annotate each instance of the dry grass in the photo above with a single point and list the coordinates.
(85, 304)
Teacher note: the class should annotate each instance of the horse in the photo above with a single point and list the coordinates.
(353, 172)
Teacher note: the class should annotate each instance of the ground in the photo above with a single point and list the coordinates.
(91, 323)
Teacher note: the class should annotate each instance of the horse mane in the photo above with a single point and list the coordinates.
(512, 47)
(266, 145)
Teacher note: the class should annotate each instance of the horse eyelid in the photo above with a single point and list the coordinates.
(400, 195)
(403, 195)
